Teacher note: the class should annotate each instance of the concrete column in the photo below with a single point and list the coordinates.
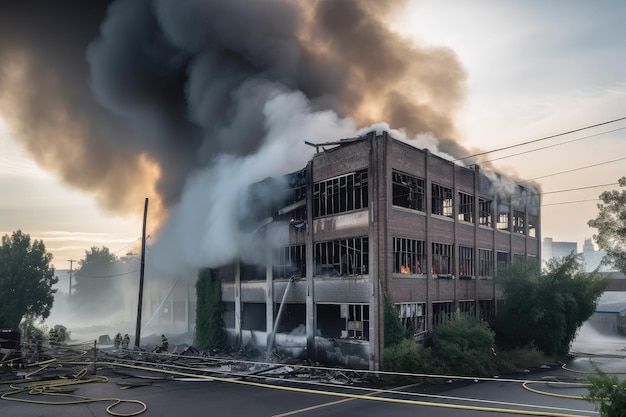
(269, 289)
(238, 303)
(311, 320)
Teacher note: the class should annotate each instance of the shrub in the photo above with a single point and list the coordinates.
(607, 393)
(466, 346)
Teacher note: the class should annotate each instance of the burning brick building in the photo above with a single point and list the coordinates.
(369, 216)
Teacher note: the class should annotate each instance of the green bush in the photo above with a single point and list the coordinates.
(607, 393)
(408, 356)
(466, 346)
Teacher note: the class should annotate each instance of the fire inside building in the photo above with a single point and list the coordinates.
(365, 217)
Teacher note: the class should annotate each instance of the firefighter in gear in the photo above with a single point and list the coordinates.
(164, 344)
(117, 341)
(125, 341)
(52, 336)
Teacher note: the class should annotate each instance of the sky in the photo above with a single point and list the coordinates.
(107, 103)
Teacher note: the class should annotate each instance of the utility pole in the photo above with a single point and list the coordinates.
(141, 273)
(71, 261)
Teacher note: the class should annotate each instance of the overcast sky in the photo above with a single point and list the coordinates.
(531, 69)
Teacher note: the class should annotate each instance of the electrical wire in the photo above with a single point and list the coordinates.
(542, 139)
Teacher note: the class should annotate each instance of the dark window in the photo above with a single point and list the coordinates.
(485, 212)
(442, 201)
(518, 257)
(485, 263)
(408, 191)
(466, 207)
(466, 261)
(442, 312)
(342, 257)
(408, 256)
(340, 194)
(443, 257)
(518, 222)
(487, 309)
(502, 261)
(467, 308)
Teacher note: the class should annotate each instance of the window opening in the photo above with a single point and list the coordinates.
(340, 194)
(485, 263)
(342, 257)
(408, 256)
(408, 191)
(442, 201)
(466, 262)
(466, 207)
(443, 257)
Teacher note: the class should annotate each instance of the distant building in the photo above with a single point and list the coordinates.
(551, 249)
(591, 257)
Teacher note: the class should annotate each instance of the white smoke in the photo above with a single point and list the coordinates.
(204, 228)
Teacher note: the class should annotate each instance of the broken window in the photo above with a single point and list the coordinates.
(518, 222)
(485, 212)
(442, 312)
(532, 225)
(502, 261)
(408, 191)
(408, 256)
(442, 200)
(466, 207)
(252, 272)
(443, 257)
(486, 309)
(343, 321)
(289, 261)
(412, 316)
(292, 318)
(485, 263)
(342, 257)
(466, 262)
(503, 217)
(340, 194)
(467, 308)
(518, 257)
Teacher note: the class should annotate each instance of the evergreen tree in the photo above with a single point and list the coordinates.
(394, 330)
(210, 331)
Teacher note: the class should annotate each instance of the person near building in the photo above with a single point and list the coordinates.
(117, 341)
(125, 341)
(164, 344)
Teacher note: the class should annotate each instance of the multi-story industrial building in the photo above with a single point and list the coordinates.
(369, 216)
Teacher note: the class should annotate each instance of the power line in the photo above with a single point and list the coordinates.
(541, 139)
(570, 202)
(580, 188)
(107, 276)
(554, 145)
(577, 169)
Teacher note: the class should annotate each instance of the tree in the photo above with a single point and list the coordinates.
(394, 330)
(26, 279)
(210, 331)
(94, 287)
(546, 309)
(607, 393)
(611, 225)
